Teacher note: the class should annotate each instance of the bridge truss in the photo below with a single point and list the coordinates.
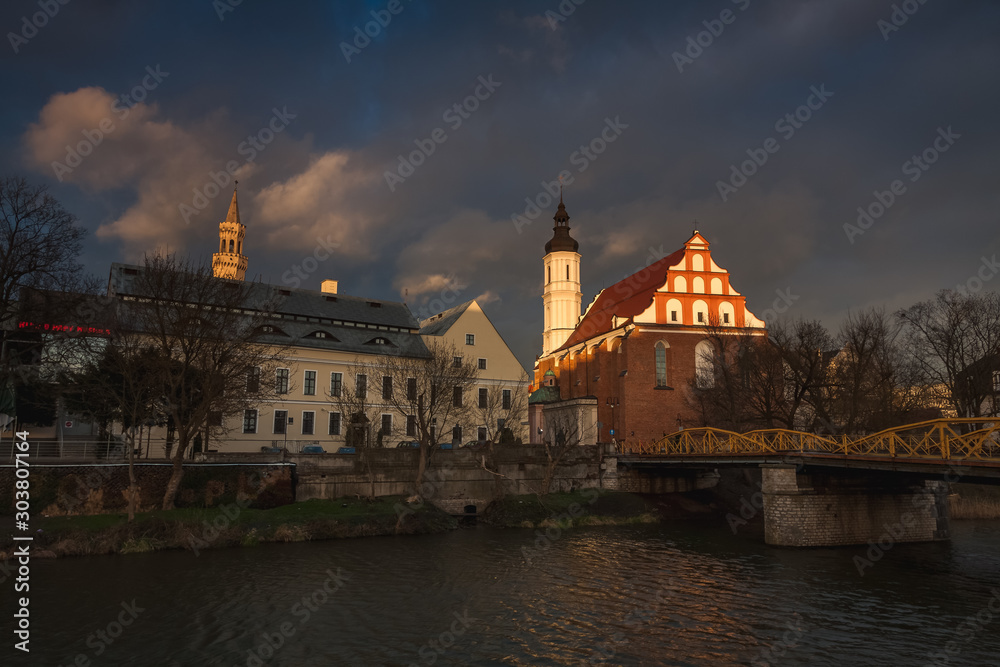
(935, 440)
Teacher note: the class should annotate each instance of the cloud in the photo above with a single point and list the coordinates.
(333, 197)
(89, 138)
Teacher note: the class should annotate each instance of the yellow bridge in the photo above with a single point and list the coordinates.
(936, 441)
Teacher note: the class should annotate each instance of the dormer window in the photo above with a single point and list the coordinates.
(379, 341)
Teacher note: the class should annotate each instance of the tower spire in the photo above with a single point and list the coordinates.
(230, 262)
(561, 295)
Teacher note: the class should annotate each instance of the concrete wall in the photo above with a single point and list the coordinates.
(638, 480)
(82, 489)
(821, 510)
(455, 478)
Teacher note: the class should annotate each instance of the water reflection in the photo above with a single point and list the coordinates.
(677, 594)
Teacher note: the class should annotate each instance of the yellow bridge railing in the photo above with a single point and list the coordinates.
(942, 439)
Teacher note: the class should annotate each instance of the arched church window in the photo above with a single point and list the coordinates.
(232, 245)
(704, 365)
(661, 364)
(567, 272)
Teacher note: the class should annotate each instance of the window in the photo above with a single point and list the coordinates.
(334, 423)
(386, 387)
(470, 339)
(673, 315)
(661, 364)
(308, 422)
(336, 382)
(253, 380)
(249, 421)
(484, 397)
(309, 383)
(567, 272)
(456, 434)
(482, 364)
(281, 382)
(456, 397)
(361, 386)
(481, 435)
(411, 425)
(411, 389)
(704, 365)
(386, 425)
(280, 419)
(456, 361)
(506, 399)
(725, 318)
(701, 316)
(996, 380)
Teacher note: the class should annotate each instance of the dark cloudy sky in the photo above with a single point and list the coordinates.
(447, 229)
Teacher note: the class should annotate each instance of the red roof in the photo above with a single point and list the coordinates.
(626, 298)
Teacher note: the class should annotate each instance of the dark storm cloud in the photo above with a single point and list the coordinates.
(563, 76)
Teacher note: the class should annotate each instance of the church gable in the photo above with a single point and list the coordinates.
(697, 292)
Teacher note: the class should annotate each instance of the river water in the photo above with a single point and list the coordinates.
(685, 592)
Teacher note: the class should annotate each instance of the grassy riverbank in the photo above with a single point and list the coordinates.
(974, 501)
(579, 508)
(228, 526)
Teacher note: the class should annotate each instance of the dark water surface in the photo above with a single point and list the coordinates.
(680, 593)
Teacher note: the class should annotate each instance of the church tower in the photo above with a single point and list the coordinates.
(562, 283)
(230, 262)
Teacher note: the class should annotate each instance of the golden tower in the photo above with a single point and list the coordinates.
(230, 262)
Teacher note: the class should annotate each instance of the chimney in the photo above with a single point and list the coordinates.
(328, 287)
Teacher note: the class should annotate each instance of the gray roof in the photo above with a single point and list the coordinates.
(439, 324)
(351, 323)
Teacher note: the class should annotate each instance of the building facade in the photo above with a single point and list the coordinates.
(641, 344)
(335, 346)
(502, 389)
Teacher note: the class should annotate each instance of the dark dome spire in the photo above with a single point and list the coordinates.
(561, 240)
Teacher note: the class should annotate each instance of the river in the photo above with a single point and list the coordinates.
(685, 592)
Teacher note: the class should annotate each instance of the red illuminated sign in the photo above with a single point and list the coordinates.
(47, 327)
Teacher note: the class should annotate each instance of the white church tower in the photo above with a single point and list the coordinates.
(562, 284)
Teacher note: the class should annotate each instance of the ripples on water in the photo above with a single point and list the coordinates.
(676, 594)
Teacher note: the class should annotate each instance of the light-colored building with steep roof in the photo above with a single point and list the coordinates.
(470, 331)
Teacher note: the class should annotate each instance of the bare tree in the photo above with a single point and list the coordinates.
(39, 247)
(502, 412)
(210, 339)
(873, 381)
(120, 385)
(430, 393)
(361, 410)
(564, 431)
(805, 348)
(953, 338)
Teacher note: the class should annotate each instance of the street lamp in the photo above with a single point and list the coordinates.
(612, 402)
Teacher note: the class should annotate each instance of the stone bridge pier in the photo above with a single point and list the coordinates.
(842, 507)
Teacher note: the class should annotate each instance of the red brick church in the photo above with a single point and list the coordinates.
(637, 347)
